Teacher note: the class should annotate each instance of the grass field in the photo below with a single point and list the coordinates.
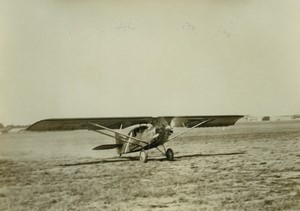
(244, 167)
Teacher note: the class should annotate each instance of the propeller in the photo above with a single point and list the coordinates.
(176, 122)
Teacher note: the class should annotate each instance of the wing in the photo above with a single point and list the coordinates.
(85, 123)
(118, 122)
(210, 121)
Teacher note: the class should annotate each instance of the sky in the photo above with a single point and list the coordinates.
(93, 58)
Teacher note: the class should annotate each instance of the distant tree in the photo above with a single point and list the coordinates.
(1, 125)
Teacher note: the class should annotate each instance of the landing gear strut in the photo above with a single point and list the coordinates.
(168, 153)
(143, 156)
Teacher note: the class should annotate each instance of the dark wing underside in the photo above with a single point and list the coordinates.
(123, 122)
(84, 123)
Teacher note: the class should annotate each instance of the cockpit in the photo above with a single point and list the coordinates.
(137, 130)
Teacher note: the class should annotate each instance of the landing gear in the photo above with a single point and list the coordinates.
(143, 156)
(170, 154)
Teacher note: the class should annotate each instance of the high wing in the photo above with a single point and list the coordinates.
(192, 121)
(123, 122)
(85, 123)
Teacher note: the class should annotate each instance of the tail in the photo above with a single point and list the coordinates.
(118, 145)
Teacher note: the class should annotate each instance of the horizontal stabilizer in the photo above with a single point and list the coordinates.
(107, 146)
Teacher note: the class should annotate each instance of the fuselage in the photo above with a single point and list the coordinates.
(150, 136)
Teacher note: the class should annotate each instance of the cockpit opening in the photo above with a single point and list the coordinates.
(137, 130)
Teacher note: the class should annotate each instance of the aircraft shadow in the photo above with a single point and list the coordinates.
(136, 158)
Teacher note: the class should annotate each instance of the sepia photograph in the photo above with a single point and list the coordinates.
(150, 105)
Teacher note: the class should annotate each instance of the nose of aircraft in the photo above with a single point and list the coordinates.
(169, 129)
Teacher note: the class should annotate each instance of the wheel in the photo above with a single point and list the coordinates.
(170, 154)
(143, 156)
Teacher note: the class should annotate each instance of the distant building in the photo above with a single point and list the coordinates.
(282, 118)
(296, 116)
(265, 118)
(250, 118)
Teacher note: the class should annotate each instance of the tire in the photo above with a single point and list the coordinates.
(143, 156)
(170, 154)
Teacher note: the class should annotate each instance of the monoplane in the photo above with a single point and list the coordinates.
(145, 132)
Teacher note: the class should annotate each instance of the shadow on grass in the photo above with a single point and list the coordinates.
(136, 158)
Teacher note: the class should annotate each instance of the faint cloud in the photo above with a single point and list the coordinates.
(188, 26)
(125, 26)
(224, 30)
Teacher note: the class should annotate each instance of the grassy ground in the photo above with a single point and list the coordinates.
(241, 168)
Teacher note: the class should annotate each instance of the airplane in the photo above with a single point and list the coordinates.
(145, 133)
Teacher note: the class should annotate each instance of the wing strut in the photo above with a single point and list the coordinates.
(113, 131)
(124, 140)
(197, 125)
(122, 135)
